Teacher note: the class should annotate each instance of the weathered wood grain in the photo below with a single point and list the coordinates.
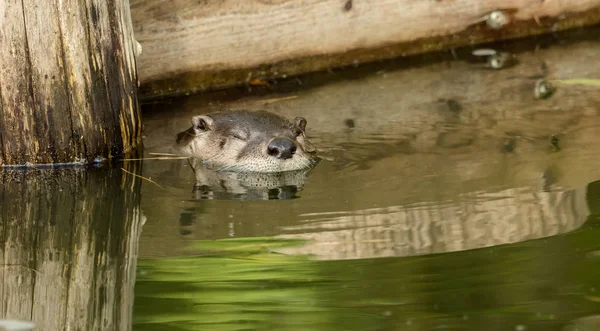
(190, 46)
(15, 87)
(68, 86)
(70, 247)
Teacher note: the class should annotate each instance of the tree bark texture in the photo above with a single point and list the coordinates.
(68, 247)
(68, 81)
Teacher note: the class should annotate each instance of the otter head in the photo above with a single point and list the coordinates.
(247, 141)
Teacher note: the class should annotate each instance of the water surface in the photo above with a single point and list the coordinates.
(448, 198)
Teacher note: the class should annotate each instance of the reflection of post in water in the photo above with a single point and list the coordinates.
(69, 246)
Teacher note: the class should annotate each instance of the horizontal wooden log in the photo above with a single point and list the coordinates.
(190, 46)
(68, 84)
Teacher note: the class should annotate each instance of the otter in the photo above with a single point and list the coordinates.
(247, 141)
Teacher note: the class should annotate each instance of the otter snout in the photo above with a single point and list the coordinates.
(247, 141)
(282, 148)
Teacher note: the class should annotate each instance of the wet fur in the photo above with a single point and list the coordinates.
(237, 141)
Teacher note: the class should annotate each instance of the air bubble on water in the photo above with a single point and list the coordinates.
(387, 313)
(520, 327)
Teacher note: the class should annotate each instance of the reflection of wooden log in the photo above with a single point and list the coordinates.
(485, 220)
(69, 247)
(68, 81)
(191, 45)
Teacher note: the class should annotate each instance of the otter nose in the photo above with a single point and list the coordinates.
(282, 148)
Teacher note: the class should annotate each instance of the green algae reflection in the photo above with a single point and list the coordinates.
(243, 284)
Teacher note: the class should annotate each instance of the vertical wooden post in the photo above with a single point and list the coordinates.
(68, 82)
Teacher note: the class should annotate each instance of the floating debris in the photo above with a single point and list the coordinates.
(454, 106)
(484, 52)
(271, 100)
(496, 19)
(349, 123)
(142, 177)
(554, 142)
(500, 60)
(509, 144)
(162, 154)
(494, 58)
(543, 89)
(157, 158)
(348, 5)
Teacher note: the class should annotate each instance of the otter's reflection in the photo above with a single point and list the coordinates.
(220, 185)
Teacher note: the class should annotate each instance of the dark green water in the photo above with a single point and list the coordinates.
(543, 284)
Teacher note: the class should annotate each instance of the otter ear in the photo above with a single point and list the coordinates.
(202, 123)
(300, 122)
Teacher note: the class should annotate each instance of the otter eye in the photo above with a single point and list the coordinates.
(238, 136)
